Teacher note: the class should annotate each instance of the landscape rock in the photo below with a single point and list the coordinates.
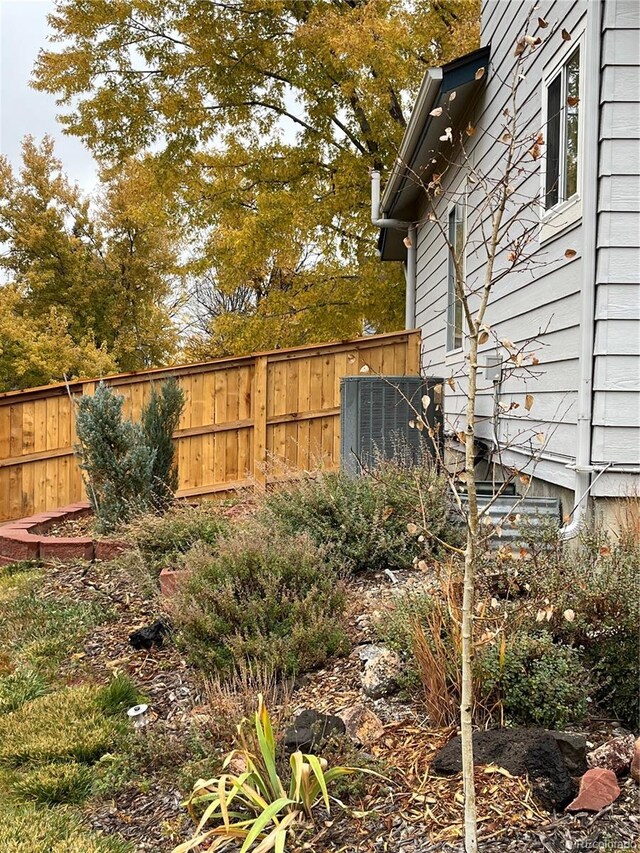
(382, 674)
(520, 751)
(363, 726)
(152, 635)
(310, 730)
(635, 762)
(615, 754)
(574, 749)
(368, 652)
(598, 789)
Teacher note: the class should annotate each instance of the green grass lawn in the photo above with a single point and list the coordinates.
(52, 735)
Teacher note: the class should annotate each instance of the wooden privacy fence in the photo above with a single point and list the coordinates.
(246, 420)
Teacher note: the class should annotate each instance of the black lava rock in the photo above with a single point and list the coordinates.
(152, 635)
(310, 730)
(574, 749)
(531, 751)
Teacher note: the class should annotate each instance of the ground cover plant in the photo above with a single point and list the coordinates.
(163, 539)
(33, 829)
(361, 522)
(556, 628)
(261, 597)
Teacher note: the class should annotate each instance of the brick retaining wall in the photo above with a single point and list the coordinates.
(26, 539)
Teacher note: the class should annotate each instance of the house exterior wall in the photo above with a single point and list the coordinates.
(616, 401)
(544, 303)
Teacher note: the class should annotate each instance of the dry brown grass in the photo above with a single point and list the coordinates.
(230, 700)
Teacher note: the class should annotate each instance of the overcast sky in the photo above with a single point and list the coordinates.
(23, 31)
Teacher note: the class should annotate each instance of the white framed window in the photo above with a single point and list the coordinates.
(563, 132)
(455, 231)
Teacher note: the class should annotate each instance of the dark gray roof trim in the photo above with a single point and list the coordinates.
(403, 195)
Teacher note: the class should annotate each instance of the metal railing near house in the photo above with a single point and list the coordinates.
(247, 420)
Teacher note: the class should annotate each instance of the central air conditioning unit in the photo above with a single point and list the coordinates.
(375, 417)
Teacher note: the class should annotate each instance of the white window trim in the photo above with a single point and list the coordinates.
(455, 353)
(561, 216)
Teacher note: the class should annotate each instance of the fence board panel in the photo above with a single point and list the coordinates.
(247, 420)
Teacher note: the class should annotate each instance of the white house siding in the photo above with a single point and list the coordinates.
(523, 304)
(616, 403)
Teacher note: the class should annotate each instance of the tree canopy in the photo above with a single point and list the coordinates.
(264, 118)
(88, 285)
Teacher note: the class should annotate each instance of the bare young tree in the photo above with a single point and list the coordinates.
(503, 215)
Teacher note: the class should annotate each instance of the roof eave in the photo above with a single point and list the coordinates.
(460, 75)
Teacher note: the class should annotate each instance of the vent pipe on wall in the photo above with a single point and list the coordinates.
(410, 242)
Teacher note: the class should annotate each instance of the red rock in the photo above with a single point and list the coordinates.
(171, 580)
(635, 761)
(615, 754)
(598, 789)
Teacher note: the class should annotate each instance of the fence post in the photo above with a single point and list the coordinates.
(414, 352)
(260, 419)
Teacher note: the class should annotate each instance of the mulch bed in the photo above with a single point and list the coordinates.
(417, 813)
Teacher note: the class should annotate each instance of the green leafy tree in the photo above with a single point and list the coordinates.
(264, 119)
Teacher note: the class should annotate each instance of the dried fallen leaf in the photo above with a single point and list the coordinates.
(528, 402)
(566, 36)
(570, 253)
(542, 23)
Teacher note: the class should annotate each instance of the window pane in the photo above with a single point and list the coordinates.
(571, 155)
(457, 320)
(454, 304)
(552, 185)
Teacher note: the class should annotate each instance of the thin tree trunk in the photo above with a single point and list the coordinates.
(466, 704)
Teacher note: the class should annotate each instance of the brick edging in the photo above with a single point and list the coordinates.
(26, 539)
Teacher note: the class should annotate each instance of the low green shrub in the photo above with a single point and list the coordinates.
(55, 783)
(20, 687)
(162, 540)
(119, 695)
(60, 726)
(264, 598)
(520, 675)
(537, 681)
(593, 595)
(361, 522)
(33, 829)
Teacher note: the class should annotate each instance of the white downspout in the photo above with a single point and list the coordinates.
(410, 243)
(583, 468)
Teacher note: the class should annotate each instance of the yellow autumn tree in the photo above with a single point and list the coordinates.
(264, 118)
(103, 275)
